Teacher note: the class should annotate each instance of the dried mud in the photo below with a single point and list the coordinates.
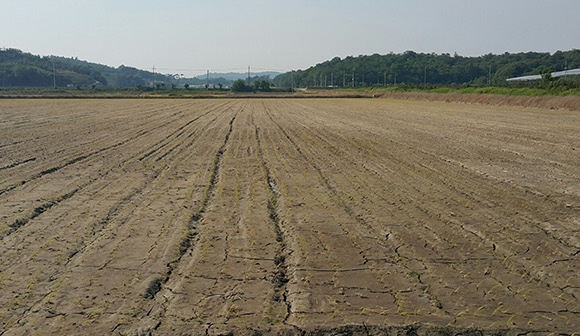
(288, 217)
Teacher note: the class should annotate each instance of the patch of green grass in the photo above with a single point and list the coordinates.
(538, 90)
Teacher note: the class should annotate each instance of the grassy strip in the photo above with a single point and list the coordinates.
(369, 91)
(498, 90)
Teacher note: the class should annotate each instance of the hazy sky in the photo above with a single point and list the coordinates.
(190, 36)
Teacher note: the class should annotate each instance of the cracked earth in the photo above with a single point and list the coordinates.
(288, 216)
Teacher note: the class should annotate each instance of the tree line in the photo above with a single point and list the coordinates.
(20, 69)
(423, 68)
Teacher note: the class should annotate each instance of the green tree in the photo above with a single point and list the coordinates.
(240, 86)
(546, 73)
(262, 85)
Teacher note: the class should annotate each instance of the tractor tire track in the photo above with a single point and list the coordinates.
(341, 203)
(78, 251)
(281, 216)
(195, 219)
(280, 276)
(424, 216)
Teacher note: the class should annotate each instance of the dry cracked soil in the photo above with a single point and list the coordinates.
(288, 216)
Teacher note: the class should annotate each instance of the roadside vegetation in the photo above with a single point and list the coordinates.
(559, 87)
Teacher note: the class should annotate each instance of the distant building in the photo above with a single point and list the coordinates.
(565, 73)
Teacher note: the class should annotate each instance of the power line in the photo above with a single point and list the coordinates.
(233, 69)
(221, 69)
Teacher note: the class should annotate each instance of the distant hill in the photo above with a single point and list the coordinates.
(21, 69)
(419, 68)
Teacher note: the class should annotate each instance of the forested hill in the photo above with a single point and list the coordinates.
(21, 69)
(418, 68)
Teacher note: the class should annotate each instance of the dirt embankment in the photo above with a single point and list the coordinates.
(550, 102)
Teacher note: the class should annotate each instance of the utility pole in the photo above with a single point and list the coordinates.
(207, 80)
(344, 79)
(489, 76)
(53, 75)
(248, 74)
(395, 80)
(332, 79)
(385, 78)
(353, 77)
(154, 76)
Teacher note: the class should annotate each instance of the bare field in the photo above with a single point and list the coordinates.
(315, 216)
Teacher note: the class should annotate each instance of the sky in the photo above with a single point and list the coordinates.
(192, 36)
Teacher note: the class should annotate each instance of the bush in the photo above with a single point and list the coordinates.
(240, 86)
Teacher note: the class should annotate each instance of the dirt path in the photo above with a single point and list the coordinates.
(287, 216)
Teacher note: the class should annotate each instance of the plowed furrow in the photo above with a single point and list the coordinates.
(432, 230)
(91, 159)
(120, 215)
(70, 155)
(309, 265)
(228, 275)
(280, 276)
(298, 216)
(191, 232)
